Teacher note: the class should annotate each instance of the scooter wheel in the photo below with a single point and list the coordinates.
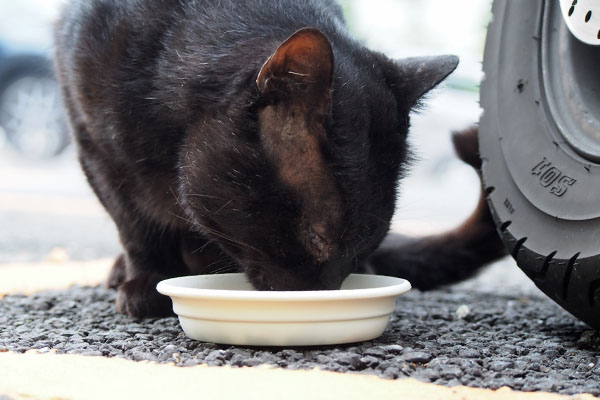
(540, 148)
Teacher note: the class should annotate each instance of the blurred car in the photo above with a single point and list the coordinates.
(32, 118)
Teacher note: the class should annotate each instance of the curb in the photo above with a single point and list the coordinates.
(80, 377)
(28, 278)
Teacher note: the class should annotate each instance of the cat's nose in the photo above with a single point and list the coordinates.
(287, 280)
(259, 278)
(329, 286)
(304, 286)
(311, 283)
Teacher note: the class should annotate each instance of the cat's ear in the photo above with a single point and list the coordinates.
(411, 78)
(302, 67)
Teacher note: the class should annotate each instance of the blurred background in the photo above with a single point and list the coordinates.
(48, 212)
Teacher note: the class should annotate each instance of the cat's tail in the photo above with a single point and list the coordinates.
(437, 260)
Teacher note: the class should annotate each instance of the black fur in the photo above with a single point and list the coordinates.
(170, 127)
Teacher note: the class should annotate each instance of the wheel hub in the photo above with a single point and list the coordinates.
(583, 19)
(570, 73)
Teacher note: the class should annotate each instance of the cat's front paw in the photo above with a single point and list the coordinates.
(138, 298)
(117, 273)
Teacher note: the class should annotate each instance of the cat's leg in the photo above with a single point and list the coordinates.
(437, 260)
(149, 258)
(151, 255)
(151, 250)
(117, 273)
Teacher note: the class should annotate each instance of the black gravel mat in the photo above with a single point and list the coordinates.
(445, 337)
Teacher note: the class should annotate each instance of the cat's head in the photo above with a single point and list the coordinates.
(300, 186)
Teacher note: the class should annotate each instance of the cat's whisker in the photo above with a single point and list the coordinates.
(297, 73)
(225, 268)
(163, 232)
(228, 266)
(177, 201)
(218, 234)
(203, 195)
(201, 248)
(189, 221)
(344, 231)
(362, 240)
(229, 239)
(378, 218)
(223, 206)
(355, 258)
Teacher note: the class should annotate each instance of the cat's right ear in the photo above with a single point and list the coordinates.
(411, 78)
(302, 67)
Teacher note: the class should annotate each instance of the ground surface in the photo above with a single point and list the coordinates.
(526, 343)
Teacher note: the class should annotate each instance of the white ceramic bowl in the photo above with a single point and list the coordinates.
(226, 309)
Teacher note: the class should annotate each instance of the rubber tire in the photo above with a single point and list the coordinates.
(553, 236)
(35, 67)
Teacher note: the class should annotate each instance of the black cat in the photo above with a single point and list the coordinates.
(252, 136)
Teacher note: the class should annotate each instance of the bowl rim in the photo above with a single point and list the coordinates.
(171, 288)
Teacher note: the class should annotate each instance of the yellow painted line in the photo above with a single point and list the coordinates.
(48, 204)
(54, 376)
(29, 278)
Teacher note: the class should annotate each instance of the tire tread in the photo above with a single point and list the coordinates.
(536, 267)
